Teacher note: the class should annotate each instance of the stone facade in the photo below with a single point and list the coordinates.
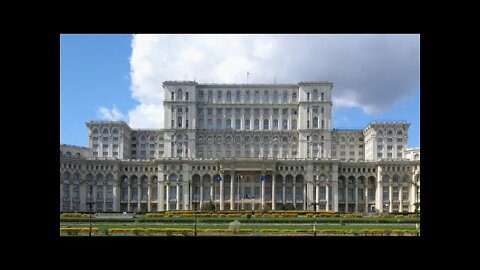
(253, 146)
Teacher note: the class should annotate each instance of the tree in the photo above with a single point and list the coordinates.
(208, 206)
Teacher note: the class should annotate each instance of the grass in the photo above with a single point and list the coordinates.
(243, 226)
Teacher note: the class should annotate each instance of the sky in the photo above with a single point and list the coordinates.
(119, 77)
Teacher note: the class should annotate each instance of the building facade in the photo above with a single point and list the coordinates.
(243, 146)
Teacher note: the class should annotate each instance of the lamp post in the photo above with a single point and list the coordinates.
(195, 215)
(90, 216)
(315, 219)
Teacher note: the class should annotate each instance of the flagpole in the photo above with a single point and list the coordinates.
(247, 77)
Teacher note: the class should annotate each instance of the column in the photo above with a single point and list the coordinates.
(186, 195)
(273, 193)
(283, 192)
(201, 193)
(104, 197)
(335, 187)
(139, 195)
(263, 194)
(356, 198)
(81, 190)
(116, 197)
(310, 198)
(222, 195)
(390, 198)
(366, 198)
(71, 196)
(317, 195)
(346, 196)
(168, 197)
(61, 196)
(161, 196)
(379, 191)
(212, 191)
(232, 178)
(128, 198)
(400, 195)
(191, 197)
(149, 196)
(304, 196)
(178, 196)
(94, 197)
(294, 190)
(327, 194)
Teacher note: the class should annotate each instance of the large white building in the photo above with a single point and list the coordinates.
(243, 146)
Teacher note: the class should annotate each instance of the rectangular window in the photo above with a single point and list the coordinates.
(389, 147)
(179, 110)
(105, 139)
(105, 146)
(379, 155)
(209, 111)
(95, 146)
(399, 139)
(399, 147)
(105, 153)
(389, 140)
(115, 138)
(379, 139)
(115, 154)
(389, 154)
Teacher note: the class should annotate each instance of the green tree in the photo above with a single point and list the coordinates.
(208, 206)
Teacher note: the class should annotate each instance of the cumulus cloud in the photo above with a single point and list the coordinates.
(110, 114)
(371, 72)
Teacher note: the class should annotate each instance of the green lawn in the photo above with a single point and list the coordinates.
(249, 226)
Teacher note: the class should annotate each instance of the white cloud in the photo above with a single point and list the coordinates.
(110, 114)
(371, 72)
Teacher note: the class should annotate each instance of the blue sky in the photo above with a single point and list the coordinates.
(118, 77)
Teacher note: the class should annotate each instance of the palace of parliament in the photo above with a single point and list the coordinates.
(242, 146)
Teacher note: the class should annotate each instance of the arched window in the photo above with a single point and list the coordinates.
(265, 124)
(294, 96)
(78, 155)
(285, 124)
(294, 124)
(200, 96)
(237, 124)
(380, 132)
(69, 154)
(229, 124)
(237, 96)
(210, 96)
(417, 156)
(257, 96)
(315, 122)
(275, 96)
(229, 96)
(257, 124)
(389, 132)
(275, 124)
(265, 96)
(247, 124)
(173, 95)
(152, 138)
(315, 94)
(115, 131)
(219, 96)
(143, 138)
(105, 131)
(247, 96)
(95, 131)
(285, 97)
(179, 94)
(399, 132)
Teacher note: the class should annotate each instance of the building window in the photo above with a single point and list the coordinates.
(294, 96)
(229, 96)
(284, 124)
(173, 96)
(210, 96)
(257, 124)
(265, 124)
(237, 96)
(237, 124)
(379, 140)
(379, 155)
(389, 140)
(399, 147)
(399, 139)
(294, 124)
(247, 124)
(275, 124)
(315, 122)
